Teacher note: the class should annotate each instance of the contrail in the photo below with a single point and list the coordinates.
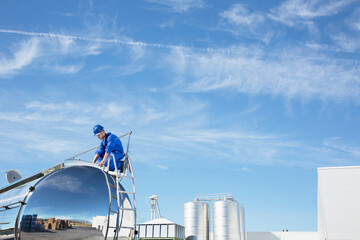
(130, 43)
(55, 35)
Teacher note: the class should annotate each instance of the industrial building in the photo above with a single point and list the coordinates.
(338, 208)
(338, 203)
(338, 213)
(158, 227)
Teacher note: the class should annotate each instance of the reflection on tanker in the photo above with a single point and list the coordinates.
(72, 203)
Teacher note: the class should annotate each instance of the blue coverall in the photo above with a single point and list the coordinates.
(111, 144)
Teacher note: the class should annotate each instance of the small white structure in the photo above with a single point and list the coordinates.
(154, 205)
(161, 228)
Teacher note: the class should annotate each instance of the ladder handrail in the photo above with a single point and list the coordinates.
(117, 180)
(119, 175)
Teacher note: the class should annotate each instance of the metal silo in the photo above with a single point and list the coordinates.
(242, 224)
(226, 219)
(196, 221)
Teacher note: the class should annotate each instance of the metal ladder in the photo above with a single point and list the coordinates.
(117, 176)
(113, 182)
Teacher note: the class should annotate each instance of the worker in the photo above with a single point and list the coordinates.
(110, 145)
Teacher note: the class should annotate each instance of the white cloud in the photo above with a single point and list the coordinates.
(68, 69)
(301, 11)
(335, 144)
(239, 15)
(135, 64)
(244, 169)
(240, 21)
(41, 142)
(250, 147)
(179, 128)
(298, 73)
(346, 43)
(179, 5)
(11, 116)
(162, 167)
(46, 106)
(354, 20)
(51, 49)
(23, 56)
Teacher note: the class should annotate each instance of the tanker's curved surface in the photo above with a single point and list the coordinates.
(70, 203)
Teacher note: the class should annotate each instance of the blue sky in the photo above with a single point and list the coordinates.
(247, 97)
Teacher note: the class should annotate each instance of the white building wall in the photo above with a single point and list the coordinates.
(339, 203)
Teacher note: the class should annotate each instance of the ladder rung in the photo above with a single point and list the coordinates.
(127, 209)
(124, 209)
(119, 175)
(114, 197)
(112, 185)
(123, 227)
(127, 177)
(113, 173)
(126, 192)
(127, 227)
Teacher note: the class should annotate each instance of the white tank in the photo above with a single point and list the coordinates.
(242, 224)
(226, 219)
(196, 221)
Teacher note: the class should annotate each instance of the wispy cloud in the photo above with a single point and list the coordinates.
(300, 73)
(346, 43)
(68, 69)
(300, 11)
(240, 15)
(244, 169)
(354, 20)
(51, 49)
(336, 144)
(240, 21)
(162, 167)
(243, 147)
(179, 5)
(23, 55)
(135, 63)
(161, 129)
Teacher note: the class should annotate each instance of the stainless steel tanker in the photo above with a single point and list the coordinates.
(73, 200)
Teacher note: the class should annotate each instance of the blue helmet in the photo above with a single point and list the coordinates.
(97, 129)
